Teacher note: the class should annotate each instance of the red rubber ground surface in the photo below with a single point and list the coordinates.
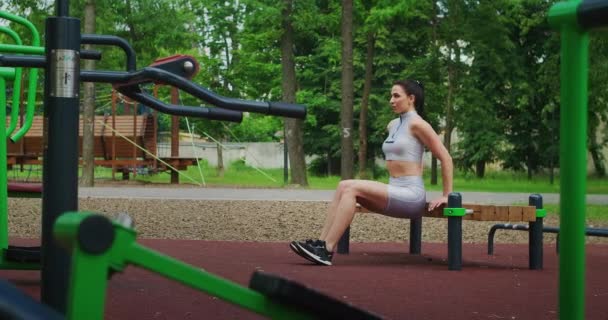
(380, 277)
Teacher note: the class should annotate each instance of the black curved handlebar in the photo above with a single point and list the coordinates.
(136, 94)
(150, 74)
(112, 41)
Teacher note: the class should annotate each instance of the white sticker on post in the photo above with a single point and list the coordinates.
(65, 73)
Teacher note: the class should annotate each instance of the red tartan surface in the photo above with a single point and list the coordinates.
(380, 277)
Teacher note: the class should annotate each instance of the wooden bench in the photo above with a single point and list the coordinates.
(456, 211)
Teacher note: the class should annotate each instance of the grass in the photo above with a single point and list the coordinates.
(239, 175)
(593, 213)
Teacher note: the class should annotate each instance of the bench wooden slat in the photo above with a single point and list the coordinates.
(485, 213)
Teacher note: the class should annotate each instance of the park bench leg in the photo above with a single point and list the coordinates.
(454, 243)
(415, 235)
(535, 236)
(343, 243)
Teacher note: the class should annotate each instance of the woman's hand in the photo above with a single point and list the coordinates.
(437, 202)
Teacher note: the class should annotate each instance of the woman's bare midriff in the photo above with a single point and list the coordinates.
(403, 168)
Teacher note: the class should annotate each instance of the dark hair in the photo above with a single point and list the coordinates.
(417, 89)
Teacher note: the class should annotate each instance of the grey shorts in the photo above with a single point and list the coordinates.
(406, 197)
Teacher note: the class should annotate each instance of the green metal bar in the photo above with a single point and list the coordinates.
(12, 48)
(573, 158)
(88, 282)
(8, 74)
(16, 83)
(33, 76)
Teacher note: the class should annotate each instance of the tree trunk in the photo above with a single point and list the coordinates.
(293, 127)
(480, 168)
(551, 172)
(88, 115)
(449, 121)
(369, 63)
(220, 161)
(346, 111)
(598, 160)
(433, 170)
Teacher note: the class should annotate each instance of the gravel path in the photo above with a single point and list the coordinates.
(255, 220)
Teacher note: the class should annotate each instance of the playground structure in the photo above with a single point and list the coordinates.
(119, 142)
(74, 230)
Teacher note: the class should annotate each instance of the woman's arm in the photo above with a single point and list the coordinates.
(423, 131)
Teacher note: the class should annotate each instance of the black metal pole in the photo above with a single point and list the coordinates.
(415, 235)
(285, 157)
(454, 233)
(344, 242)
(60, 170)
(535, 235)
(62, 8)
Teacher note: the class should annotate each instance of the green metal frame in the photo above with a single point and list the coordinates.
(89, 278)
(8, 74)
(541, 213)
(33, 73)
(16, 83)
(454, 212)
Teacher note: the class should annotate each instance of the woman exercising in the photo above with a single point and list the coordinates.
(404, 196)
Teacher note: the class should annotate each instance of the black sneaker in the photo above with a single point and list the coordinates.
(317, 254)
(295, 248)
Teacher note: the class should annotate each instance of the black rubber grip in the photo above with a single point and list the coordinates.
(90, 54)
(309, 300)
(289, 110)
(224, 115)
(95, 234)
(593, 14)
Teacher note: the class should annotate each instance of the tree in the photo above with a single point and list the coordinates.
(88, 131)
(293, 127)
(346, 111)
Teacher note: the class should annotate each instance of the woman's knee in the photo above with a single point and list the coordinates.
(345, 185)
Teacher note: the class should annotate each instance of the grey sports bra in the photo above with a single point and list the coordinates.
(401, 144)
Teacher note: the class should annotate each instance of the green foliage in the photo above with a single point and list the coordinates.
(502, 58)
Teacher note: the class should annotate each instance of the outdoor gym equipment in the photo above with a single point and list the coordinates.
(99, 246)
(594, 232)
(573, 19)
(62, 86)
(11, 257)
(17, 257)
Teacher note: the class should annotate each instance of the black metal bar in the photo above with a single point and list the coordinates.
(25, 61)
(113, 41)
(344, 242)
(150, 74)
(104, 76)
(34, 61)
(60, 170)
(454, 234)
(535, 235)
(594, 232)
(62, 8)
(592, 14)
(186, 111)
(90, 54)
(415, 235)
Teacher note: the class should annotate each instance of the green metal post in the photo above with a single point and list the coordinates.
(33, 76)
(573, 158)
(16, 83)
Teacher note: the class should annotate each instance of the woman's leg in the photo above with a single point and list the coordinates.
(331, 211)
(370, 194)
